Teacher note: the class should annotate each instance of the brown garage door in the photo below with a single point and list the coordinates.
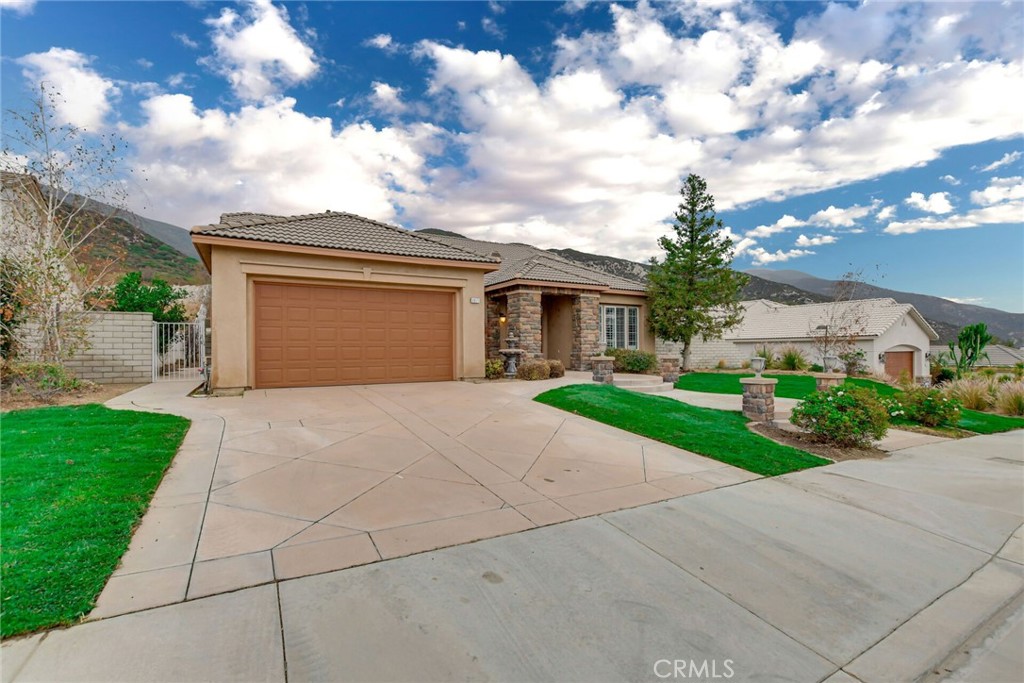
(898, 362)
(311, 335)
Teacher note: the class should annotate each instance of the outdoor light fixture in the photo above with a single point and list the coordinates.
(881, 358)
(757, 363)
(502, 319)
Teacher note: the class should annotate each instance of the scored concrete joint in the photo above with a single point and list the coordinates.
(669, 368)
(602, 367)
(759, 398)
(823, 381)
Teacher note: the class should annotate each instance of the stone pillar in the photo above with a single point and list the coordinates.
(524, 317)
(602, 368)
(492, 326)
(669, 366)
(823, 381)
(759, 398)
(586, 330)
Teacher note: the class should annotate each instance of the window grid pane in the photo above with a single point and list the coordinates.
(634, 316)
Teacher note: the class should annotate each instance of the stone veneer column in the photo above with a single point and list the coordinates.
(603, 368)
(492, 326)
(823, 381)
(759, 398)
(524, 315)
(586, 330)
(669, 368)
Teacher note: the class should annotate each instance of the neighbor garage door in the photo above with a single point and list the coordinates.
(311, 335)
(898, 362)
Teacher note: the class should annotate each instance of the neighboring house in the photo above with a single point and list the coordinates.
(333, 298)
(999, 356)
(894, 337)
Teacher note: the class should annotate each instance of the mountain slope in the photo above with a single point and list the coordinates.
(176, 237)
(1002, 324)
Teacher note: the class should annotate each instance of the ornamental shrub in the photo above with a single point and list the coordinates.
(41, 381)
(768, 354)
(792, 358)
(973, 393)
(533, 369)
(630, 360)
(843, 415)
(930, 407)
(1010, 398)
(494, 369)
(557, 368)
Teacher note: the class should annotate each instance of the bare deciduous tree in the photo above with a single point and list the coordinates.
(61, 184)
(834, 334)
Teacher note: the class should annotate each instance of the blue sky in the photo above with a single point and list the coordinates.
(885, 137)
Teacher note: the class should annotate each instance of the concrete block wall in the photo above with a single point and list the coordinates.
(120, 349)
(706, 354)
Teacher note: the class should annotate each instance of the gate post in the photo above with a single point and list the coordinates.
(156, 350)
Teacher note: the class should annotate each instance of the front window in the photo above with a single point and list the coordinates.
(620, 327)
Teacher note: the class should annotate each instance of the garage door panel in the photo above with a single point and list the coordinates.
(323, 335)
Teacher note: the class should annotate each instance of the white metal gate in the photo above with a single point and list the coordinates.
(179, 350)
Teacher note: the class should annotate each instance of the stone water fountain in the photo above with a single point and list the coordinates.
(512, 353)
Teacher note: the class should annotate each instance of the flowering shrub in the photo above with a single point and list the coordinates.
(843, 415)
(930, 407)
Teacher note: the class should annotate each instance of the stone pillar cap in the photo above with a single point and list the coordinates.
(668, 357)
(758, 380)
(601, 358)
(828, 375)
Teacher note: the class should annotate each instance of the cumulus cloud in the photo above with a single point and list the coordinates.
(937, 202)
(951, 180)
(781, 225)
(186, 40)
(85, 95)
(490, 27)
(258, 51)
(740, 244)
(805, 241)
(1000, 190)
(387, 98)
(1007, 213)
(836, 217)
(382, 41)
(1005, 160)
(885, 213)
(21, 7)
(763, 257)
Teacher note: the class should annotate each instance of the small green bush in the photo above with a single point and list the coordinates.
(943, 375)
(533, 369)
(768, 354)
(843, 415)
(853, 362)
(41, 381)
(792, 358)
(816, 368)
(630, 360)
(929, 407)
(494, 369)
(557, 368)
(1010, 398)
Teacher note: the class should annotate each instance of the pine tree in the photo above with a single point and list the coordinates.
(694, 291)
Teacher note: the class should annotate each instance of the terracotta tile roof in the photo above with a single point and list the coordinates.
(525, 262)
(774, 321)
(337, 230)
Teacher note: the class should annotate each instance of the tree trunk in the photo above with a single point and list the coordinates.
(686, 355)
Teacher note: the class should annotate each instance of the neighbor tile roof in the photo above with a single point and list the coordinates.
(525, 262)
(778, 321)
(998, 355)
(337, 230)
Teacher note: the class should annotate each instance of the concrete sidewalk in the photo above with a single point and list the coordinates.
(865, 570)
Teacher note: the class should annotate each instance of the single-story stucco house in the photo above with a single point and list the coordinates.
(334, 298)
(894, 337)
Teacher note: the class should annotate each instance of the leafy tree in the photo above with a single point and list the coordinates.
(694, 291)
(131, 294)
(971, 343)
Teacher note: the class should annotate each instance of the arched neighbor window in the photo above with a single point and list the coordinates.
(620, 327)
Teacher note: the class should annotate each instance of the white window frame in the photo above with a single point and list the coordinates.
(623, 324)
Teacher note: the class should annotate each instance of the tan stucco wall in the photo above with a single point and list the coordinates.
(235, 269)
(646, 336)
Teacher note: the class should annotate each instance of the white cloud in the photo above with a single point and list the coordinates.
(781, 225)
(259, 52)
(937, 202)
(836, 217)
(739, 244)
(951, 180)
(762, 257)
(1007, 213)
(974, 300)
(999, 190)
(805, 241)
(270, 157)
(885, 213)
(85, 96)
(144, 63)
(21, 7)
(1005, 160)
(382, 41)
(387, 98)
(495, 7)
(490, 27)
(186, 40)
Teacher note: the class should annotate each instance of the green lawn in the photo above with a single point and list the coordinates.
(75, 481)
(718, 434)
(789, 386)
(799, 386)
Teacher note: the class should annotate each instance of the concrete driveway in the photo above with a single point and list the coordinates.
(284, 483)
(909, 568)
